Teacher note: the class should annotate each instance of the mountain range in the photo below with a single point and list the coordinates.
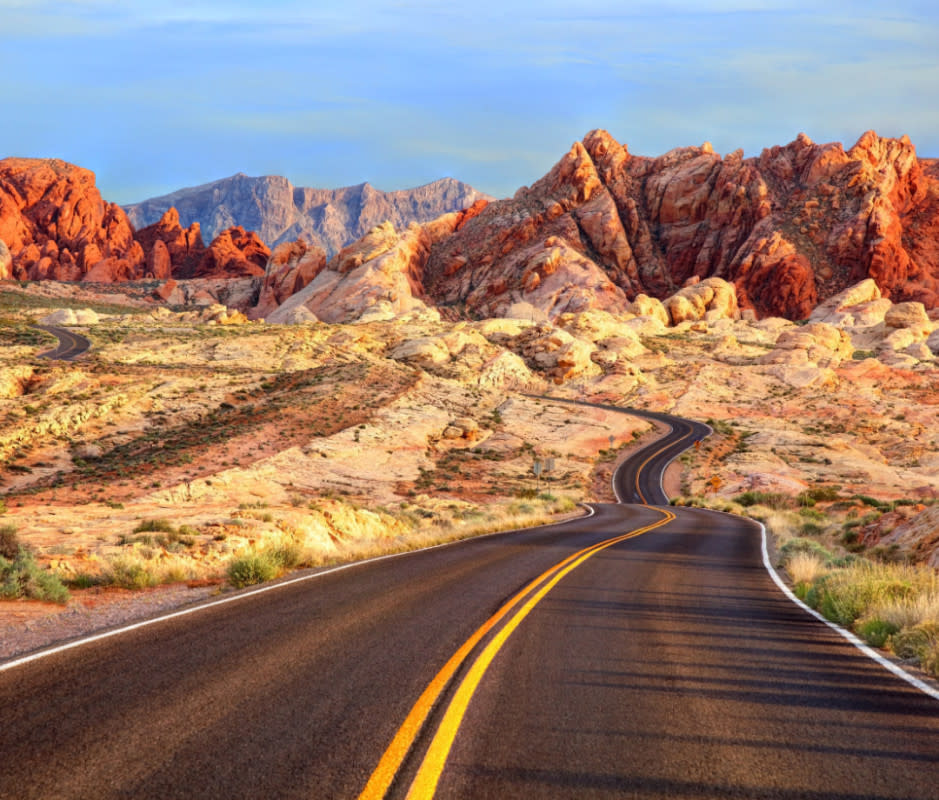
(789, 228)
(280, 212)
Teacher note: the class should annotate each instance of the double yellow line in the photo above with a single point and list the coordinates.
(428, 775)
(643, 465)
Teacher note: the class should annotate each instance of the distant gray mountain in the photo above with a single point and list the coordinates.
(281, 212)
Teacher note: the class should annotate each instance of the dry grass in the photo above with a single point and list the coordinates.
(805, 567)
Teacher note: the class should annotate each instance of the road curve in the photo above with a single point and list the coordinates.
(71, 345)
(638, 652)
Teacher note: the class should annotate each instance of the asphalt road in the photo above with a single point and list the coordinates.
(71, 345)
(641, 652)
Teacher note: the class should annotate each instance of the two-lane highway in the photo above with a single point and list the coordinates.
(639, 652)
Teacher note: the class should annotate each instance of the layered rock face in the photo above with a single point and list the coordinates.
(789, 228)
(55, 225)
(281, 213)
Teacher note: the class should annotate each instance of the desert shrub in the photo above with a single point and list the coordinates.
(129, 572)
(285, 554)
(867, 588)
(873, 502)
(800, 544)
(820, 494)
(774, 500)
(876, 631)
(916, 642)
(251, 568)
(154, 526)
(811, 529)
(9, 542)
(23, 577)
(564, 505)
(85, 580)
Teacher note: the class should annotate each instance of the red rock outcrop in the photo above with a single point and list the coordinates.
(234, 253)
(56, 225)
(171, 249)
(790, 228)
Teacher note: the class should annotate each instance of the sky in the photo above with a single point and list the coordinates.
(155, 96)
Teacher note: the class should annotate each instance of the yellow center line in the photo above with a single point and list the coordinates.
(642, 466)
(390, 762)
(381, 779)
(428, 775)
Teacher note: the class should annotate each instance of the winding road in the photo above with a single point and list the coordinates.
(640, 651)
(71, 345)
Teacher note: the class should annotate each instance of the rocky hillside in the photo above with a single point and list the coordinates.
(54, 225)
(280, 212)
(790, 229)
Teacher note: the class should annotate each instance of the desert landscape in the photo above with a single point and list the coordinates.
(242, 412)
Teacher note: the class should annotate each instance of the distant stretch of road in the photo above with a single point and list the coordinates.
(71, 345)
(642, 651)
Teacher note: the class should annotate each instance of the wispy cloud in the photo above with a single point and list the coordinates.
(491, 92)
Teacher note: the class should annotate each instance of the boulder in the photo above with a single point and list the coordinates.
(649, 307)
(711, 299)
(908, 315)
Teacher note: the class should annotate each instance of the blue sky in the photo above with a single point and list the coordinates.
(154, 96)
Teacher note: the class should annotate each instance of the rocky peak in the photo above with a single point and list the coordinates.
(280, 212)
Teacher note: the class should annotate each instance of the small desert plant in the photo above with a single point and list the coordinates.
(154, 526)
(130, 572)
(251, 568)
(801, 544)
(23, 577)
(773, 500)
(820, 494)
(875, 631)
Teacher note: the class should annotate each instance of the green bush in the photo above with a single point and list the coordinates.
(876, 631)
(23, 577)
(155, 526)
(252, 568)
(929, 660)
(800, 544)
(130, 573)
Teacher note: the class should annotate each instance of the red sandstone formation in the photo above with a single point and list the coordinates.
(171, 249)
(790, 228)
(234, 253)
(56, 226)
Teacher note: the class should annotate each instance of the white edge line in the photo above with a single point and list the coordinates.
(867, 650)
(17, 662)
